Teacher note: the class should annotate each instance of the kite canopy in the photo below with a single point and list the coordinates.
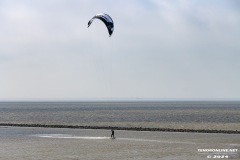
(106, 19)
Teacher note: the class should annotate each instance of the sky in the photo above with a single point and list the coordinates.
(160, 49)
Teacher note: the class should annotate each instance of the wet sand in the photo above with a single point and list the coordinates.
(23, 143)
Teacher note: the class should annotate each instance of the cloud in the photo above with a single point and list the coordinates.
(160, 49)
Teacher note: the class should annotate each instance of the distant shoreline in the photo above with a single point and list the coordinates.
(123, 128)
(137, 100)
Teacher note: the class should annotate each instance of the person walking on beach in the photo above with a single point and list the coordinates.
(112, 135)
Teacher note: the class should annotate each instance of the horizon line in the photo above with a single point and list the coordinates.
(113, 99)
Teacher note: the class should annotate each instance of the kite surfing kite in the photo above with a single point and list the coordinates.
(106, 19)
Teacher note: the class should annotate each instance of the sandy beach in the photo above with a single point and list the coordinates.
(27, 143)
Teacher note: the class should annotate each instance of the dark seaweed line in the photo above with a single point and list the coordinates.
(123, 128)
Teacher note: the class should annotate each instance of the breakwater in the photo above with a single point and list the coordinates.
(123, 128)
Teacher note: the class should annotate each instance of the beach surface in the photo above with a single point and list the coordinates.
(27, 143)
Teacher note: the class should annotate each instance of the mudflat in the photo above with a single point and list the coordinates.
(21, 143)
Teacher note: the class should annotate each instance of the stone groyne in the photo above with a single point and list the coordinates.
(123, 128)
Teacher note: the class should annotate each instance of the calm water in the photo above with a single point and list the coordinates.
(20, 143)
(213, 115)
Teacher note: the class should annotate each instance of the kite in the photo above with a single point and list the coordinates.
(106, 19)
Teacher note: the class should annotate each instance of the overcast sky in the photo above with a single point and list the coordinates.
(160, 49)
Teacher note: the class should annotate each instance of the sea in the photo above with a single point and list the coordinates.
(21, 143)
(221, 115)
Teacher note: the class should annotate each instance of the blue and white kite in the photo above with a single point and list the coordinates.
(106, 19)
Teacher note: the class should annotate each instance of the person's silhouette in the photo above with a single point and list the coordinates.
(112, 135)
